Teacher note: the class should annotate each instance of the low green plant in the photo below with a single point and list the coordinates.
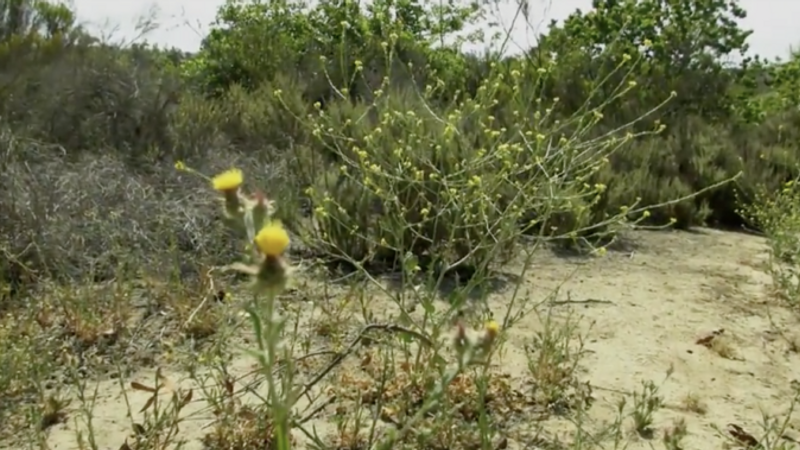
(777, 215)
(645, 404)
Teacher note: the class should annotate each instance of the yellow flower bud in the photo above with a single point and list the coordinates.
(230, 180)
(272, 240)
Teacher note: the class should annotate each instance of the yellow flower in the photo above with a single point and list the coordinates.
(492, 328)
(490, 331)
(272, 240)
(230, 180)
(180, 166)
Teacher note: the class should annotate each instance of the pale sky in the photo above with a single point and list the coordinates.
(182, 23)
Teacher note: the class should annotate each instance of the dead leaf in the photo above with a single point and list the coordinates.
(185, 400)
(138, 429)
(229, 386)
(149, 403)
(705, 341)
(141, 387)
(742, 436)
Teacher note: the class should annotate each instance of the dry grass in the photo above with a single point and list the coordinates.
(360, 365)
(694, 403)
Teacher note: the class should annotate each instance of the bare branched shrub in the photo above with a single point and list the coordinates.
(92, 217)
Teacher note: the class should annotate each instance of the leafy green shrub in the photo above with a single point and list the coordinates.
(331, 37)
(777, 214)
(451, 186)
(656, 170)
(93, 98)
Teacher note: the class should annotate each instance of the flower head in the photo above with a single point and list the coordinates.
(272, 240)
(490, 331)
(492, 328)
(227, 181)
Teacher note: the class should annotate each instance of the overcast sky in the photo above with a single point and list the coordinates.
(183, 22)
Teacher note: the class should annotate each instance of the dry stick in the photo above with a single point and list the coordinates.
(392, 328)
(314, 412)
(211, 291)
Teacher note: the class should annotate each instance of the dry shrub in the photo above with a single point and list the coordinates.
(94, 216)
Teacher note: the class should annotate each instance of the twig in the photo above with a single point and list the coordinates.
(351, 346)
(586, 301)
(569, 300)
(211, 291)
(314, 412)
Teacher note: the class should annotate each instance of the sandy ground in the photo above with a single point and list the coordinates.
(642, 313)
